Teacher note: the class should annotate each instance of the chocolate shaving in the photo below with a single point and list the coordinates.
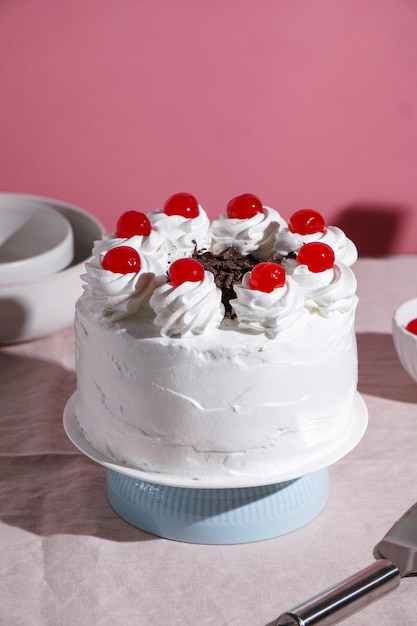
(228, 269)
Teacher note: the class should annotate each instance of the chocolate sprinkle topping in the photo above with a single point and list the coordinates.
(228, 269)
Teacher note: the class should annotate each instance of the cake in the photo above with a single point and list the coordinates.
(217, 349)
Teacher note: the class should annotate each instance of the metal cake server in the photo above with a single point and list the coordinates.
(399, 551)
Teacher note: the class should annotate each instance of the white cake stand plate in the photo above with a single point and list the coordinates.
(213, 513)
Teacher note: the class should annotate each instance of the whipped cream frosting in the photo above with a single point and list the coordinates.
(171, 386)
(255, 235)
(222, 404)
(185, 234)
(344, 249)
(154, 246)
(272, 312)
(114, 296)
(189, 309)
(195, 308)
(327, 292)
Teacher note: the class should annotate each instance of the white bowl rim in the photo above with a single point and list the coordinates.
(60, 205)
(404, 313)
(51, 260)
(46, 305)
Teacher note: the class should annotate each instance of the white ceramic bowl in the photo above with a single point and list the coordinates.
(38, 307)
(35, 240)
(405, 342)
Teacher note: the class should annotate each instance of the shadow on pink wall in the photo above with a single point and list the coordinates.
(375, 228)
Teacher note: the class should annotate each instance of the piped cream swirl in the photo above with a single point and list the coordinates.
(153, 246)
(327, 292)
(344, 249)
(271, 312)
(255, 235)
(189, 309)
(184, 234)
(114, 296)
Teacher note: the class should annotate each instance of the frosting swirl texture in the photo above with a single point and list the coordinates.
(153, 246)
(183, 233)
(189, 309)
(328, 292)
(271, 312)
(344, 249)
(114, 296)
(255, 235)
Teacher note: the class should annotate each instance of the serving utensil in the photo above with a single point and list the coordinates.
(399, 551)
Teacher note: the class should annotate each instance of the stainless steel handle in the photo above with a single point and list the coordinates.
(339, 602)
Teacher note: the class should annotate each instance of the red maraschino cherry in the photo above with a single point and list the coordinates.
(183, 204)
(412, 326)
(306, 222)
(133, 223)
(243, 207)
(266, 277)
(317, 256)
(121, 260)
(185, 270)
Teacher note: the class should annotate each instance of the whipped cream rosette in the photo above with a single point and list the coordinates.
(269, 312)
(190, 303)
(134, 229)
(327, 287)
(153, 246)
(120, 282)
(183, 224)
(248, 226)
(306, 226)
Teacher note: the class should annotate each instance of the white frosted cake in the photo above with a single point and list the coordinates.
(217, 349)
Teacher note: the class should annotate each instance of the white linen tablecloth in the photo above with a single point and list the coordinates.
(67, 559)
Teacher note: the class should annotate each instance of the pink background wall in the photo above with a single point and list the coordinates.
(117, 104)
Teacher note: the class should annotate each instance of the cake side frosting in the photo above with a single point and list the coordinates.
(231, 360)
(218, 404)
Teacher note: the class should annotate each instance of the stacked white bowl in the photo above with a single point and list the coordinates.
(44, 245)
(405, 341)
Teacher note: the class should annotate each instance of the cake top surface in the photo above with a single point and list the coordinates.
(189, 274)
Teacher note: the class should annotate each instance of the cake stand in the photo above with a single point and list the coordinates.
(209, 512)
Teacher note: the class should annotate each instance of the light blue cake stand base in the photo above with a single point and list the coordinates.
(210, 514)
(218, 516)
